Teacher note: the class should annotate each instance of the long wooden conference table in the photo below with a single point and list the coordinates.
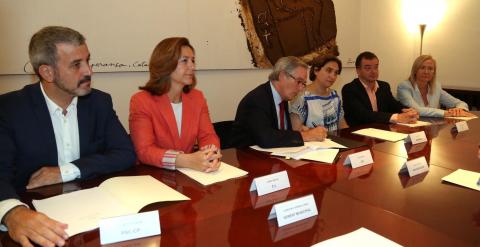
(412, 211)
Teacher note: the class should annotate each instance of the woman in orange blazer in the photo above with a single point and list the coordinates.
(169, 116)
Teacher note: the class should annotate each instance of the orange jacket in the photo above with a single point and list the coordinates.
(153, 128)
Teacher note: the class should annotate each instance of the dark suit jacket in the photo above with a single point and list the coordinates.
(27, 140)
(358, 109)
(256, 122)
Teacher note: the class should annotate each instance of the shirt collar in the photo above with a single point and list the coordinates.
(367, 86)
(276, 96)
(53, 108)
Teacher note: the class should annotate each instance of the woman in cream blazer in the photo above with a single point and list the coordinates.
(424, 94)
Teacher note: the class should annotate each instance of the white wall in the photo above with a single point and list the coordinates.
(382, 31)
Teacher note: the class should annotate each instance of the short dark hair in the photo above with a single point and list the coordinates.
(364, 55)
(42, 49)
(163, 62)
(320, 61)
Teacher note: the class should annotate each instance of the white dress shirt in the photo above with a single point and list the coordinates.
(177, 111)
(65, 127)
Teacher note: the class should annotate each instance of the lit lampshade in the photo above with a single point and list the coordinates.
(423, 15)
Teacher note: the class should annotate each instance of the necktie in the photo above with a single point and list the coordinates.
(281, 115)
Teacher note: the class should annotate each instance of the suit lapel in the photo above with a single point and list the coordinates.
(167, 113)
(287, 116)
(44, 121)
(363, 94)
(188, 105)
(84, 122)
(273, 108)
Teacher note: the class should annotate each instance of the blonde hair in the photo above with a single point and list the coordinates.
(417, 64)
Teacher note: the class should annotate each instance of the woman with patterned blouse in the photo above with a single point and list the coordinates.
(319, 105)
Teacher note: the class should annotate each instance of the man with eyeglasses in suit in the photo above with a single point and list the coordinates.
(262, 117)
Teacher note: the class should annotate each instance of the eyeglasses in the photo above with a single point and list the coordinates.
(299, 81)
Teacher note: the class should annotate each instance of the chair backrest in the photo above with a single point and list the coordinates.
(223, 132)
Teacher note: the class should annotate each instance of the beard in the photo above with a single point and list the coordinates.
(78, 90)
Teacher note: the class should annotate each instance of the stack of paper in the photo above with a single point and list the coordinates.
(224, 172)
(320, 155)
(325, 151)
(381, 134)
(417, 124)
(82, 210)
(463, 118)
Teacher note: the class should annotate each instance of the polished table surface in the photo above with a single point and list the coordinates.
(412, 211)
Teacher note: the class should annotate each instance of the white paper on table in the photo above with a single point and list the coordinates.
(463, 118)
(83, 209)
(417, 124)
(224, 172)
(279, 150)
(381, 134)
(464, 178)
(320, 155)
(359, 237)
(327, 143)
(293, 155)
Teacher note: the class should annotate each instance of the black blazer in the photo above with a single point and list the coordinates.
(27, 139)
(358, 109)
(256, 122)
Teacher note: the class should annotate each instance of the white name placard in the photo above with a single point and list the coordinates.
(359, 159)
(461, 126)
(270, 183)
(129, 227)
(417, 137)
(415, 166)
(293, 210)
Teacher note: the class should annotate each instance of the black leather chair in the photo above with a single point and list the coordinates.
(223, 132)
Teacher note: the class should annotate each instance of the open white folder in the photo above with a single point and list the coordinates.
(83, 209)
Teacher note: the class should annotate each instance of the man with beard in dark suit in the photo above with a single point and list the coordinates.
(55, 131)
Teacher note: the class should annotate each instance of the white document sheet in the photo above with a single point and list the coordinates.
(224, 172)
(360, 237)
(381, 134)
(82, 210)
(320, 155)
(464, 178)
(417, 124)
(279, 150)
(327, 143)
(463, 118)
